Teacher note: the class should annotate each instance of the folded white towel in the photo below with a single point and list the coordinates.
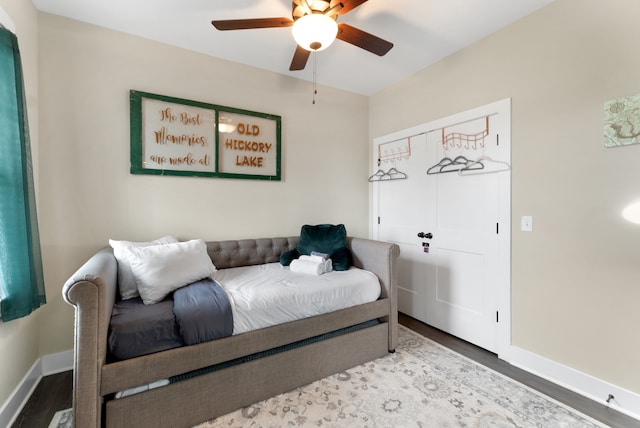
(307, 266)
(327, 265)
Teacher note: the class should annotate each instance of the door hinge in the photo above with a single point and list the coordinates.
(378, 220)
(497, 139)
(497, 316)
(497, 228)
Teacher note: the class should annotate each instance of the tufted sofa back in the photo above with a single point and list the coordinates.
(246, 252)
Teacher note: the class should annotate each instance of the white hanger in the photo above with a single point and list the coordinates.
(467, 170)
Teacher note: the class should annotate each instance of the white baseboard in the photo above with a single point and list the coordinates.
(624, 401)
(11, 408)
(47, 365)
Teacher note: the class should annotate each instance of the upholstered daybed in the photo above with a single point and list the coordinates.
(366, 332)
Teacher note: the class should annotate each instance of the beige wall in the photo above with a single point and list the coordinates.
(575, 278)
(19, 338)
(89, 196)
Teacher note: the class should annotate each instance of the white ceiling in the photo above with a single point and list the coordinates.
(422, 31)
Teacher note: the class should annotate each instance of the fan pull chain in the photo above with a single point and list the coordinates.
(315, 87)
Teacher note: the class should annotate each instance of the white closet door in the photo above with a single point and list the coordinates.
(457, 283)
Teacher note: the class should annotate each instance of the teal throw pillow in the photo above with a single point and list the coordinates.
(323, 238)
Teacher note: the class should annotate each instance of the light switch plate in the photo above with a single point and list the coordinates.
(526, 223)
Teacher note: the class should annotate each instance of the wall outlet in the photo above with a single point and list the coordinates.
(526, 223)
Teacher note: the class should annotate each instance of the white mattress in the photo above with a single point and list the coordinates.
(270, 294)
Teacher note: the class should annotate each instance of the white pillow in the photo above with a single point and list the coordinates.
(126, 281)
(160, 269)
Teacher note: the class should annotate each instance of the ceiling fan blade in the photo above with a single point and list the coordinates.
(347, 5)
(248, 24)
(306, 6)
(363, 40)
(300, 58)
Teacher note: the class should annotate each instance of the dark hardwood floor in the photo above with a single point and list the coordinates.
(53, 393)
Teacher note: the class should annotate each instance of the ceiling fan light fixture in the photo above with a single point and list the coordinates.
(315, 32)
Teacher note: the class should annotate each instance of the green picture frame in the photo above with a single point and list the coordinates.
(176, 136)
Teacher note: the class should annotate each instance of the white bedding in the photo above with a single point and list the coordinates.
(270, 294)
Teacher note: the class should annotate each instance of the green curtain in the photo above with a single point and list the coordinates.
(21, 278)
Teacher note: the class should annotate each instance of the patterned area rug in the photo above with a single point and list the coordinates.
(62, 419)
(422, 385)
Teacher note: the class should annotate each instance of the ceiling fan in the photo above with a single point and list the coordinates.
(315, 27)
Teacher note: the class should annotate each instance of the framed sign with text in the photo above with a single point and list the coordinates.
(174, 136)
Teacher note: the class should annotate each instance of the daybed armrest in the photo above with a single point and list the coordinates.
(92, 291)
(380, 258)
